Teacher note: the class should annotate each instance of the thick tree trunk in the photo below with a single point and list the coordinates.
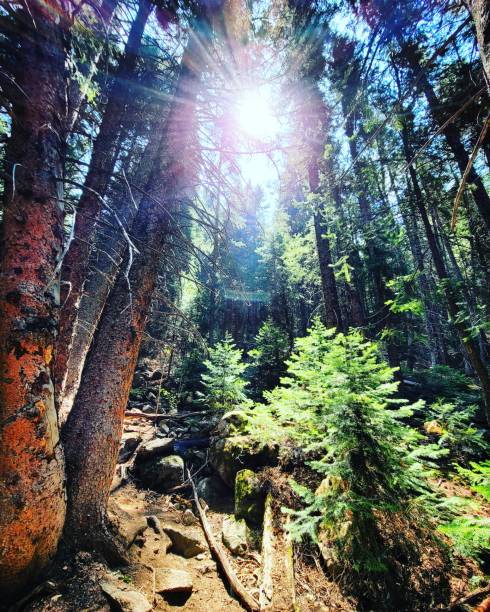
(450, 290)
(93, 429)
(480, 11)
(32, 497)
(106, 259)
(104, 156)
(451, 133)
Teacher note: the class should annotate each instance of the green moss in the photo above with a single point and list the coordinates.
(249, 498)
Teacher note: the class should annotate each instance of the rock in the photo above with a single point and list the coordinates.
(158, 447)
(130, 530)
(234, 535)
(124, 599)
(155, 375)
(154, 522)
(249, 497)
(213, 491)
(161, 474)
(164, 428)
(230, 455)
(129, 443)
(148, 409)
(168, 580)
(189, 518)
(185, 544)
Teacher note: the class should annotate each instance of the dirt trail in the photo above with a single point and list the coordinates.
(151, 551)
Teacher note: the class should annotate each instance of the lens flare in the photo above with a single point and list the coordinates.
(255, 115)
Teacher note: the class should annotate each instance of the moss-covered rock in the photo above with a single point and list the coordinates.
(249, 497)
(230, 455)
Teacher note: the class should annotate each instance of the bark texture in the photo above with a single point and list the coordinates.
(102, 163)
(32, 496)
(450, 289)
(480, 195)
(93, 429)
(480, 11)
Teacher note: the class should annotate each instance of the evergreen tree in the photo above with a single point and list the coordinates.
(268, 357)
(223, 382)
(338, 404)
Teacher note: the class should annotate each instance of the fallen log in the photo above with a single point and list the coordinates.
(277, 590)
(217, 551)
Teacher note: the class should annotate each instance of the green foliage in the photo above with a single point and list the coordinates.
(223, 380)
(468, 531)
(441, 381)
(453, 424)
(268, 357)
(170, 398)
(337, 403)
(470, 535)
(478, 477)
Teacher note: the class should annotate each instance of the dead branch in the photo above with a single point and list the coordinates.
(246, 599)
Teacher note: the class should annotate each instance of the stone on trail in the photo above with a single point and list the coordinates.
(213, 491)
(161, 474)
(123, 599)
(234, 535)
(187, 544)
(189, 518)
(158, 447)
(129, 443)
(169, 580)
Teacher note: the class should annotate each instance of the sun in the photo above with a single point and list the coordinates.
(255, 114)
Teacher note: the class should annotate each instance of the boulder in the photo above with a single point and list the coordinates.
(249, 497)
(213, 491)
(129, 443)
(169, 580)
(125, 600)
(234, 535)
(155, 375)
(158, 447)
(148, 409)
(230, 455)
(188, 544)
(161, 474)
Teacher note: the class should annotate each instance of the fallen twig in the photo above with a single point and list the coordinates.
(247, 600)
(468, 599)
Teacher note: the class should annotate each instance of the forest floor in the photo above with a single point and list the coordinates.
(195, 582)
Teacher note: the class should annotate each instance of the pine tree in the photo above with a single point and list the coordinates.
(337, 403)
(268, 357)
(223, 382)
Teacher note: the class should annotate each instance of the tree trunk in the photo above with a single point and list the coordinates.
(93, 429)
(32, 496)
(105, 261)
(480, 11)
(76, 93)
(103, 160)
(333, 314)
(450, 289)
(451, 133)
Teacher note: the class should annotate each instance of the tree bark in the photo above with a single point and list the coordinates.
(105, 261)
(450, 290)
(451, 133)
(480, 11)
(32, 496)
(94, 426)
(102, 163)
(333, 314)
